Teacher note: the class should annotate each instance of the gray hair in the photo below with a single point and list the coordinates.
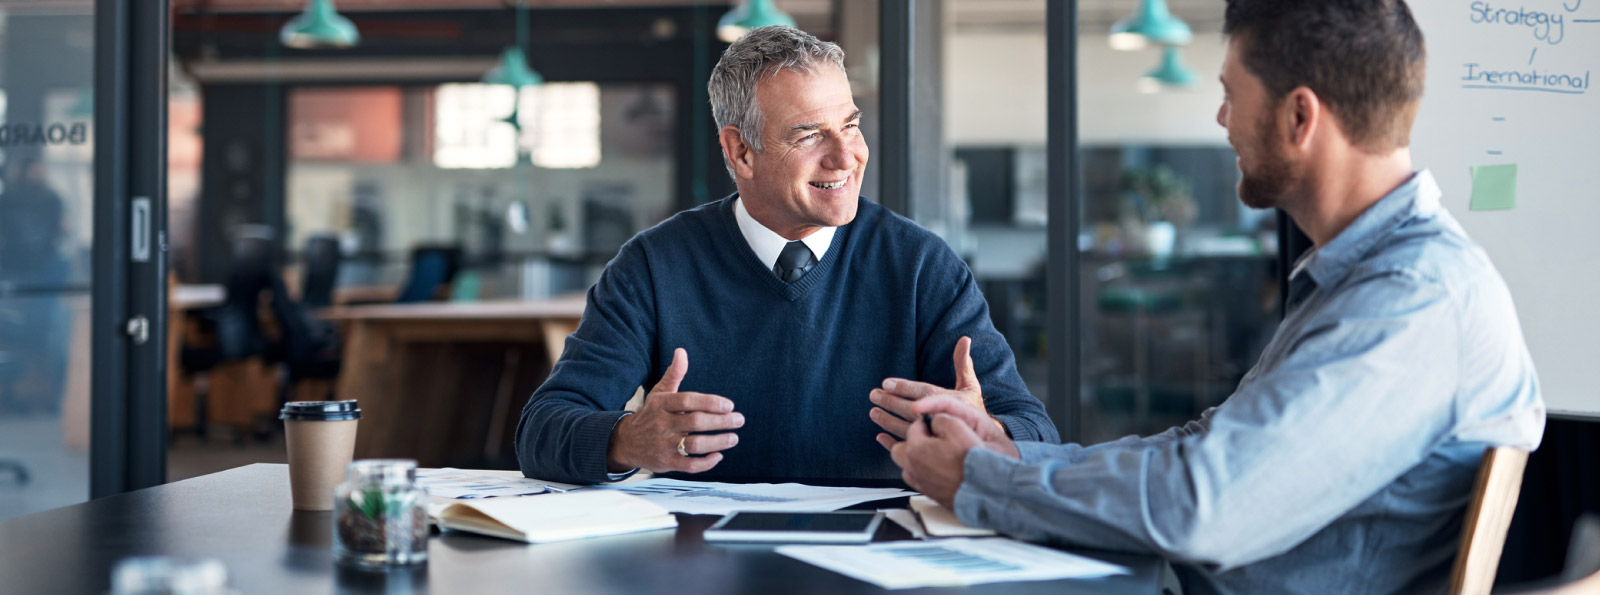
(761, 53)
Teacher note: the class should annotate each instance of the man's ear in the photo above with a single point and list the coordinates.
(740, 156)
(1303, 115)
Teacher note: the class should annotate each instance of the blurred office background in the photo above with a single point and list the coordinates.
(402, 170)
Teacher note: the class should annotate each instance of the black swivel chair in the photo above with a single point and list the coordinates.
(309, 347)
(235, 323)
(321, 271)
(431, 266)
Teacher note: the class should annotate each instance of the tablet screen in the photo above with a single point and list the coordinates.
(798, 521)
(796, 527)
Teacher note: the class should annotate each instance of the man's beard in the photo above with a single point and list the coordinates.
(1268, 186)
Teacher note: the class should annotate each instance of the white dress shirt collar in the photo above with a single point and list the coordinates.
(767, 244)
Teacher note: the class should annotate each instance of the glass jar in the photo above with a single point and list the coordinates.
(163, 575)
(380, 515)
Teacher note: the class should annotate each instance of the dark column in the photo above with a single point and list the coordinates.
(241, 181)
(912, 155)
(1061, 279)
(128, 401)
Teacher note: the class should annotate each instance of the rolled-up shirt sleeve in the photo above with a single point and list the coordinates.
(1356, 401)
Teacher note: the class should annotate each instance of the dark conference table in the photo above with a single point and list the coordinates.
(242, 517)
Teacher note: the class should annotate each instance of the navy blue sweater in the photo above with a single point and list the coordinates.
(889, 299)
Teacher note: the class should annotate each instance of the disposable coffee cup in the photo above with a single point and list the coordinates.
(322, 440)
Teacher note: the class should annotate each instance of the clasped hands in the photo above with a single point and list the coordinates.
(687, 431)
(931, 459)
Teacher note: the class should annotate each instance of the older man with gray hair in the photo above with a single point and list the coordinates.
(815, 317)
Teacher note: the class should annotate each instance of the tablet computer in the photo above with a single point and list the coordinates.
(797, 527)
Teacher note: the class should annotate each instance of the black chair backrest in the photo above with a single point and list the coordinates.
(238, 328)
(431, 266)
(321, 270)
(306, 338)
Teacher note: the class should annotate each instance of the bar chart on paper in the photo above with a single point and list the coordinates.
(951, 562)
(1510, 127)
(706, 497)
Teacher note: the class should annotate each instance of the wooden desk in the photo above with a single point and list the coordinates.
(242, 518)
(444, 382)
(360, 294)
(182, 299)
(192, 297)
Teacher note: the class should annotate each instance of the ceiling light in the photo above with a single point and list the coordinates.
(512, 69)
(1172, 72)
(750, 14)
(1150, 23)
(319, 26)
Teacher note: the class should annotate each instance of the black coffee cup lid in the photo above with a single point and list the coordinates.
(320, 411)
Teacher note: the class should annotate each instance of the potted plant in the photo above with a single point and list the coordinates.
(1160, 200)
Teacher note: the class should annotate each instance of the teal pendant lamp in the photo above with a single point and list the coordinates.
(513, 66)
(319, 26)
(1171, 73)
(1150, 23)
(750, 14)
(513, 70)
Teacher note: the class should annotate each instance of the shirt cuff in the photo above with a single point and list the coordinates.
(590, 450)
(1030, 452)
(986, 476)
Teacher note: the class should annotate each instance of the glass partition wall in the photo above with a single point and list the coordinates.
(1174, 288)
(1177, 280)
(539, 188)
(46, 238)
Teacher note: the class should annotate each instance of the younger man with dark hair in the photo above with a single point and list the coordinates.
(1345, 459)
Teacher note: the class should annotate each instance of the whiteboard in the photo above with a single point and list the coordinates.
(1509, 83)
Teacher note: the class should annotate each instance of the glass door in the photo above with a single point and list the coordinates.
(80, 83)
(47, 180)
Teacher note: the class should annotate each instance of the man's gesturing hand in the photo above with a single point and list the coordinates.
(898, 395)
(649, 439)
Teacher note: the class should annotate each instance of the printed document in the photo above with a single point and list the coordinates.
(949, 562)
(461, 484)
(705, 497)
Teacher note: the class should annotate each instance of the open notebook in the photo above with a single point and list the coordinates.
(556, 517)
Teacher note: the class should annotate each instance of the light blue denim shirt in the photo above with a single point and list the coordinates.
(1344, 461)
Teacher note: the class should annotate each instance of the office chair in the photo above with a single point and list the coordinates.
(321, 271)
(241, 385)
(1483, 531)
(235, 323)
(308, 347)
(431, 266)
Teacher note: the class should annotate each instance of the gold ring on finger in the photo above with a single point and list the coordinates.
(682, 450)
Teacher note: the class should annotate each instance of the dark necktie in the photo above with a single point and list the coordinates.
(793, 263)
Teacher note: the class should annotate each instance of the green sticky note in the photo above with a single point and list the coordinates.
(1494, 187)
